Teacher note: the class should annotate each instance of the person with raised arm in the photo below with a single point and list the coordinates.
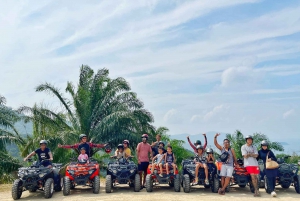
(197, 142)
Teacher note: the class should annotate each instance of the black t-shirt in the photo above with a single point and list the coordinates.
(43, 154)
(87, 148)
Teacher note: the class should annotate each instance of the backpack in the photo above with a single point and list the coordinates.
(224, 156)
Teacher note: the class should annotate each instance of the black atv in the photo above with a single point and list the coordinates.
(37, 177)
(287, 175)
(188, 175)
(122, 171)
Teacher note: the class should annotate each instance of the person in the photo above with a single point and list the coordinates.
(271, 174)
(83, 143)
(250, 153)
(170, 160)
(83, 155)
(197, 142)
(161, 145)
(227, 166)
(44, 154)
(159, 161)
(210, 156)
(155, 145)
(143, 150)
(126, 147)
(120, 153)
(200, 161)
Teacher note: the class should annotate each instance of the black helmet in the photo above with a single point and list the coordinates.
(43, 142)
(209, 151)
(161, 142)
(82, 136)
(248, 137)
(240, 162)
(121, 146)
(264, 143)
(198, 142)
(199, 147)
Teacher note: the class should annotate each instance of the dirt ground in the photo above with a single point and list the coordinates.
(159, 193)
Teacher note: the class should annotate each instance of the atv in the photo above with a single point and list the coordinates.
(287, 176)
(37, 177)
(84, 173)
(188, 175)
(122, 171)
(173, 179)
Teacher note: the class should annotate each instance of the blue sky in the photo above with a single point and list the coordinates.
(199, 66)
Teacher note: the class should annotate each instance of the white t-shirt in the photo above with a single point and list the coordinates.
(251, 161)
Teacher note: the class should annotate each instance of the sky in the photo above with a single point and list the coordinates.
(198, 66)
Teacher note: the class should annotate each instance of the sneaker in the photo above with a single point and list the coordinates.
(220, 191)
(161, 175)
(206, 182)
(273, 194)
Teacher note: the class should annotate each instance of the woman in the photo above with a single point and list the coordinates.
(271, 174)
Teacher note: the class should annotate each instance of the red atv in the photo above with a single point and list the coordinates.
(154, 179)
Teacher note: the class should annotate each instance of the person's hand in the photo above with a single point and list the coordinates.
(25, 159)
(139, 162)
(204, 134)
(217, 134)
(51, 159)
(59, 145)
(188, 137)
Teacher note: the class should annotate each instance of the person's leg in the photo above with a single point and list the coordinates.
(206, 171)
(174, 167)
(271, 183)
(254, 179)
(167, 168)
(222, 181)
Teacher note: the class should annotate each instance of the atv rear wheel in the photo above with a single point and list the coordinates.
(96, 185)
(108, 184)
(227, 189)
(177, 183)
(186, 183)
(267, 186)
(297, 183)
(49, 188)
(216, 184)
(17, 190)
(285, 185)
(149, 183)
(67, 186)
(137, 183)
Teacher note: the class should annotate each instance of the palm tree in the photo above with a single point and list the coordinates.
(237, 140)
(103, 108)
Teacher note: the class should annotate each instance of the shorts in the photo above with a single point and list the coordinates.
(253, 169)
(157, 163)
(143, 166)
(226, 171)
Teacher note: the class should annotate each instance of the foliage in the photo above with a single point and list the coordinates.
(294, 158)
(237, 140)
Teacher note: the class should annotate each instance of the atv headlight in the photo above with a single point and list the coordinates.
(115, 171)
(294, 171)
(91, 171)
(42, 175)
(131, 171)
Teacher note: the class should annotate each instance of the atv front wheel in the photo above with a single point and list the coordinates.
(216, 184)
(48, 188)
(297, 184)
(267, 186)
(186, 183)
(96, 185)
(17, 190)
(177, 183)
(137, 183)
(67, 186)
(149, 183)
(58, 186)
(108, 184)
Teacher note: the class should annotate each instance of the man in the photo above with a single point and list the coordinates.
(44, 154)
(198, 142)
(250, 153)
(126, 147)
(227, 166)
(155, 145)
(83, 143)
(143, 150)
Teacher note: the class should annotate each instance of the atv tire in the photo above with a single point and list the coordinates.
(297, 183)
(215, 185)
(137, 183)
(149, 183)
(49, 188)
(58, 187)
(96, 185)
(186, 183)
(177, 183)
(267, 186)
(108, 184)
(227, 189)
(67, 186)
(17, 190)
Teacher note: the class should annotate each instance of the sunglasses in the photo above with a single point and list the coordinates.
(144, 138)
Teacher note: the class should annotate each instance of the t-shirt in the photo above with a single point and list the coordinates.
(120, 155)
(159, 157)
(251, 161)
(83, 156)
(201, 158)
(42, 155)
(127, 151)
(143, 150)
(86, 146)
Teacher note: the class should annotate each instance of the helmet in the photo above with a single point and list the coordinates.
(248, 137)
(82, 136)
(126, 141)
(199, 147)
(198, 142)
(82, 148)
(264, 143)
(145, 135)
(161, 142)
(120, 146)
(43, 142)
(209, 151)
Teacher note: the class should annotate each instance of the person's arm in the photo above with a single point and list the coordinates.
(244, 152)
(234, 157)
(129, 151)
(75, 146)
(151, 154)
(216, 142)
(51, 156)
(205, 141)
(29, 155)
(255, 154)
(174, 158)
(191, 144)
(137, 153)
(273, 157)
(154, 158)
(97, 145)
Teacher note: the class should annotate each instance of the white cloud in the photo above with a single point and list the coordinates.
(172, 116)
(196, 117)
(288, 113)
(214, 112)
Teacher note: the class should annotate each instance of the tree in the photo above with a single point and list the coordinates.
(237, 140)
(103, 108)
